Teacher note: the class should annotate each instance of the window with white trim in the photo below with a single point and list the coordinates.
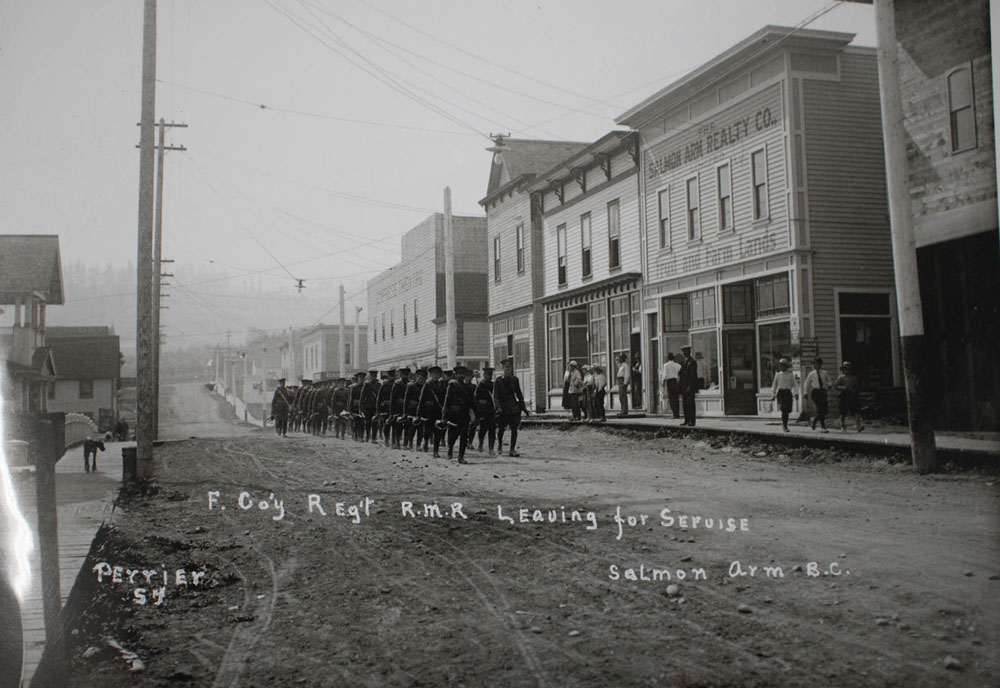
(585, 244)
(758, 175)
(693, 215)
(663, 213)
(724, 184)
(561, 253)
(520, 248)
(961, 110)
(496, 258)
(614, 235)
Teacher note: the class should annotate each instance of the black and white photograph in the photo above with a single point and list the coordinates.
(543, 344)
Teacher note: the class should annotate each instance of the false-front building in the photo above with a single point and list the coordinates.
(765, 221)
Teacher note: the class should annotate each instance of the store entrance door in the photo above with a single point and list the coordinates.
(741, 377)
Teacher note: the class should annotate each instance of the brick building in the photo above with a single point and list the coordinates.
(765, 220)
(407, 323)
(592, 272)
(515, 242)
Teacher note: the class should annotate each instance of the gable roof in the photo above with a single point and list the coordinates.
(85, 358)
(30, 263)
(521, 159)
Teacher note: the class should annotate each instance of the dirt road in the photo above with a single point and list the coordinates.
(791, 569)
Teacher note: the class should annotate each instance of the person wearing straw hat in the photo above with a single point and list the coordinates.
(782, 390)
(850, 400)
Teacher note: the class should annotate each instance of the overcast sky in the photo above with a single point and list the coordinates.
(325, 178)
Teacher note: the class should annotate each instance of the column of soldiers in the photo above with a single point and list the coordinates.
(419, 414)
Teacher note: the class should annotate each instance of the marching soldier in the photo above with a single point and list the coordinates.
(411, 409)
(456, 411)
(383, 402)
(369, 404)
(298, 405)
(279, 408)
(471, 382)
(431, 396)
(485, 410)
(396, 409)
(338, 408)
(509, 403)
(354, 404)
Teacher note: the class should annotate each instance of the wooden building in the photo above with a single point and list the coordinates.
(592, 274)
(515, 242)
(407, 322)
(89, 363)
(765, 221)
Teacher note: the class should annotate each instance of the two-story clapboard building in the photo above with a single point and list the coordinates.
(515, 241)
(765, 218)
(592, 273)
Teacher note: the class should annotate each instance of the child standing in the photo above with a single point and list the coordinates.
(781, 389)
(850, 402)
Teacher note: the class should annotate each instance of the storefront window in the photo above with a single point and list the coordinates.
(772, 295)
(737, 303)
(599, 334)
(775, 344)
(621, 326)
(702, 307)
(555, 349)
(705, 350)
(675, 314)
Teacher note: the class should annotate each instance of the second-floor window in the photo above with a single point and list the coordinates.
(561, 253)
(585, 243)
(693, 215)
(725, 186)
(496, 258)
(86, 389)
(961, 110)
(520, 248)
(758, 172)
(392, 322)
(663, 206)
(404, 318)
(416, 324)
(383, 327)
(347, 354)
(614, 235)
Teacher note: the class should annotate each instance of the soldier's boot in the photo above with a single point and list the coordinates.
(480, 446)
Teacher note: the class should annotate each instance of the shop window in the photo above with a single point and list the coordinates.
(561, 253)
(614, 235)
(496, 258)
(663, 205)
(585, 243)
(705, 350)
(86, 389)
(737, 303)
(961, 110)
(599, 334)
(693, 218)
(702, 307)
(577, 325)
(555, 348)
(725, 186)
(758, 173)
(775, 344)
(772, 296)
(676, 314)
(865, 336)
(520, 248)
(621, 326)
(522, 354)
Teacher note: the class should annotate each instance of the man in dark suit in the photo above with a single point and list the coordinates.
(279, 408)
(688, 383)
(509, 403)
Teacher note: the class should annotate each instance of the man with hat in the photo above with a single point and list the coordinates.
(279, 409)
(509, 403)
(382, 403)
(369, 404)
(354, 406)
(298, 403)
(456, 411)
(687, 381)
(485, 411)
(338, 408)
(411, 409)
(429, 404)
(850, 399)
(396, 408)
(671, 384)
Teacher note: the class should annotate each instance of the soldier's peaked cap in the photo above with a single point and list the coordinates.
(488, 369)
(373, 373)
(404, 371)
(509, 359)
(422, 371)
(461, 369)
(434, 369)
(281, 379)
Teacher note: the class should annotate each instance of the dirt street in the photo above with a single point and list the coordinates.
(792, 568)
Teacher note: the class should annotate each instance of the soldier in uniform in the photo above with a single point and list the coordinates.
(457, 409)
(471, 381)
(485, 411)
(354, 404)
(509, 403)
(384, 405)
(338, 405)
(319, 409)
(411, 408)
(298, 406)
(396, 408)
(279, 408)
(431, 396)
(369, 404)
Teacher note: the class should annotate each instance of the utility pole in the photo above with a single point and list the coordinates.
(144, 259)
(157, 269)
(357, 338)
(904, 247)
(449, 282)
(340, 335)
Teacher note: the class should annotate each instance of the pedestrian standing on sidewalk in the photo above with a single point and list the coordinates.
(587, 405)
(817, 387)
(671, 384)
(782, 390)
(623, 376)
(850, 401)
(688, 383)
(600, 389)
(573, 389)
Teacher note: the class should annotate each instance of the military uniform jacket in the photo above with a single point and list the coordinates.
(354, 398)
(369, 396)
(396, 397)
(339, 401)
(411, 399)
(507, 394)
(429, 403)
(457, 402)
(688, 376)
(484, 399)
(383, 396)
(279, 402)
